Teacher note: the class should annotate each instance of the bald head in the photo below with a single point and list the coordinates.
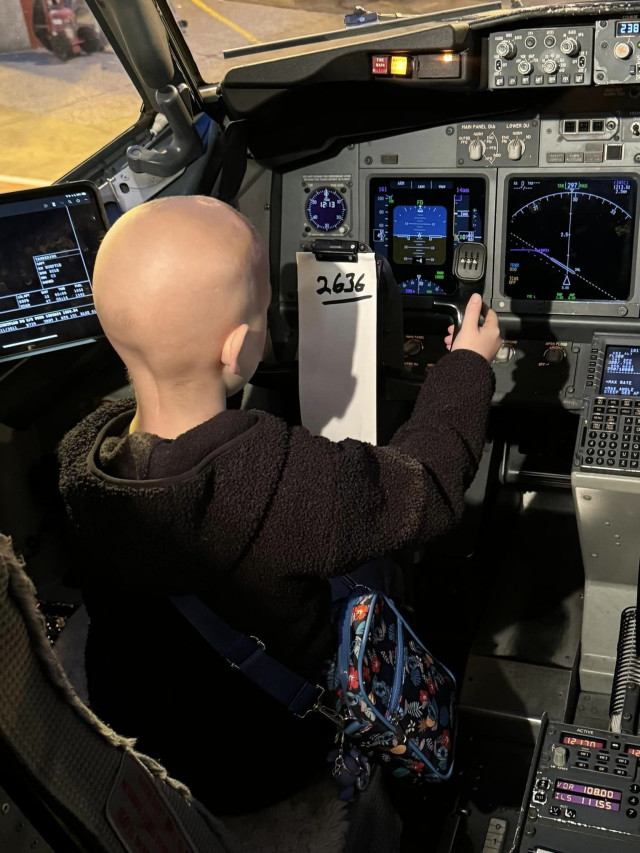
(173, 279)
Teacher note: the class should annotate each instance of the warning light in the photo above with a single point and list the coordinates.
(399, 65)
(447, 57)
(380, 64)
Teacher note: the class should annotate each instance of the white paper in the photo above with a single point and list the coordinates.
(337, 315)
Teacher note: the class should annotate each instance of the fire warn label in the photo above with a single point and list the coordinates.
(140, 816)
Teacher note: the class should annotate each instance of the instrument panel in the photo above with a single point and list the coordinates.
(552, 193)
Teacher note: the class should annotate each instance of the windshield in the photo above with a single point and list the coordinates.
(211, 27)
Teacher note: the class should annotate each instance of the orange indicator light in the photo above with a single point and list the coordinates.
(399, 65)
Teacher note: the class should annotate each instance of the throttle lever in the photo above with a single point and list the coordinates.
(469, 266)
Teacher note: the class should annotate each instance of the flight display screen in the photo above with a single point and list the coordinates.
(621, 373)
(570, 239)
(49, 239)
(416, 224)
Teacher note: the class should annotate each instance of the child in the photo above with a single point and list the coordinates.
(171, 493)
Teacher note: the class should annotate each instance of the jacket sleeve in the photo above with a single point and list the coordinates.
(340, 504)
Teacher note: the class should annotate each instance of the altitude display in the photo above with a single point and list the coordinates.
(621, 374)
(416, 223)
(570, 239)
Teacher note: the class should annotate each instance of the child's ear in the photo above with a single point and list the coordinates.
(232, 349)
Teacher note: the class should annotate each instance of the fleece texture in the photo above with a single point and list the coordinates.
(254, 516)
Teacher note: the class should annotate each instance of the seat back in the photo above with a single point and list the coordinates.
(80, 785)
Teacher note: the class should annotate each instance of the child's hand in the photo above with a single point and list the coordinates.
(485, 339)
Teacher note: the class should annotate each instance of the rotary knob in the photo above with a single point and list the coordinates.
(412, 346)
(622, 50)
(525, 67)
(560, 755)
(476, 149)
(554, 355)
(550, 66)
(570, 47)
(515, 149)
(506, 49)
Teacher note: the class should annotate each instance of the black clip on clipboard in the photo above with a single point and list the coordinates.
(334, 249)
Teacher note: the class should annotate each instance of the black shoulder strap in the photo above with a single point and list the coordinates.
(249, 656)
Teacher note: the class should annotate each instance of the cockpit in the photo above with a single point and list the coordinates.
(476, 150)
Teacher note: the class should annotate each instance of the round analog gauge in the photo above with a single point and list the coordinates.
(326, 209)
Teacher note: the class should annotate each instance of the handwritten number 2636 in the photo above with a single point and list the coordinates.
(340, 286)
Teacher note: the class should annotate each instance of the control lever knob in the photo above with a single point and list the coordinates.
(504, 354)
(525, 67)
(476, 149)
(570, 47)
(515, 149)
(560, 755)
(550, 66)
(506, 49)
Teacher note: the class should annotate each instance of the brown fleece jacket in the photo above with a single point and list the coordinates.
(254, 517)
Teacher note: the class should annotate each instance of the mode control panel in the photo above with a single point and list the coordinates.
(617, 51)
(498, 143)
(609, 435)
(548, 56)
(583, 793)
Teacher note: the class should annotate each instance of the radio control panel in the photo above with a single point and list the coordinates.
(583, 792)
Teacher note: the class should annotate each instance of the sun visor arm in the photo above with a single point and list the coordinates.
(143, 35)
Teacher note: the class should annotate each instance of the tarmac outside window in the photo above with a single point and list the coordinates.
(63, 92)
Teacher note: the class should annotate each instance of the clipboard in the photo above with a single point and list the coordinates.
(337, 354)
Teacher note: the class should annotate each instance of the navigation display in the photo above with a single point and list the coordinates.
(49, 239)
(621, 373)
(570, 238)
(416, 223)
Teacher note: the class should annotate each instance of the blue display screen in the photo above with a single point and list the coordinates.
(627, 28)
